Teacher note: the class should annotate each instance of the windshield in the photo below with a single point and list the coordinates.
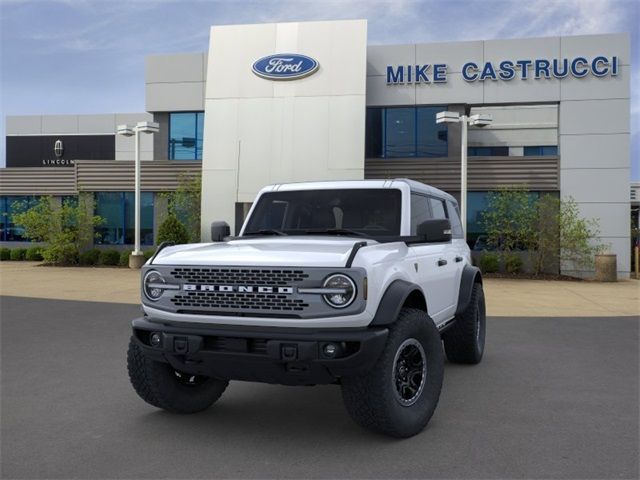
(359, 212)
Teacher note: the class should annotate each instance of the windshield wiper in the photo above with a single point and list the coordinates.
(337, 231)
(266, 231)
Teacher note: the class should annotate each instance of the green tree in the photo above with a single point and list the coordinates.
(171, 230)
(551, 229)
(184, 204)
(65, 228)
(578, 236)
(508, 219)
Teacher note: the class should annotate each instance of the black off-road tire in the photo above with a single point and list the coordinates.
(464, 340)
(158, 384)
(373, 400)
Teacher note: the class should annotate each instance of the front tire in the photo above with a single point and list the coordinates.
(464, 341)
(160, 385)
(399, 395)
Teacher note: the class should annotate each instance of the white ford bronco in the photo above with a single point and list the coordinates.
(355, 283)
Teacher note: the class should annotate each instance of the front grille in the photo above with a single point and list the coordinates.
(239, 301)
(239, 276)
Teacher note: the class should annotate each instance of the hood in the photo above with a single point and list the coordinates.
(310, 251)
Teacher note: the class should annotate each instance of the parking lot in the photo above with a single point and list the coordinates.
(554, 398)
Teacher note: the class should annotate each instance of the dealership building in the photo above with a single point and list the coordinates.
(286, 102)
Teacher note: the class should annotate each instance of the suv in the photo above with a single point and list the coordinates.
(355, 283)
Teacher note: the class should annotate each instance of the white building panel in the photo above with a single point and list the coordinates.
(24, 125)
(594, 116)
(454, 54)
(608, 45)
(379, 56)
(595, 151)
(455, 90)
(597, 88)
(267, 131)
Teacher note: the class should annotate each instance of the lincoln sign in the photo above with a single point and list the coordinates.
(506, 70)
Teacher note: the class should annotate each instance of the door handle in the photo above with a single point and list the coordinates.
(442, 262)
(458, 259)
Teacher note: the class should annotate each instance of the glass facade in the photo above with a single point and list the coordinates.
(117, 210)
(543, 151)
(9, 206)
(477, 204)
(400, 132)
(185, 135)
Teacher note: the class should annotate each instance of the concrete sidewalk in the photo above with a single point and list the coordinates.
(505, 297)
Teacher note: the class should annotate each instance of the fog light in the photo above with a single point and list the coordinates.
(155, 339)
(330, 350)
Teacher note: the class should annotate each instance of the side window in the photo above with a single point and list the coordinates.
(437, 207)
(420, 211)
(454, 217)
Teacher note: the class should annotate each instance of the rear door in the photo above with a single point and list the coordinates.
(434, 268)
(447, 261)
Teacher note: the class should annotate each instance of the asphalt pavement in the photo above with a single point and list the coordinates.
(553, 398)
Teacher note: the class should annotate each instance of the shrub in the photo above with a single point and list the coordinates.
(18, 254)
(171, 230)
(148, 254)
(489, 262)
(34, 254)
(90, 257)
(124, 258)
(109, 257)
(513, 263)
(5, 254)
(61, 254)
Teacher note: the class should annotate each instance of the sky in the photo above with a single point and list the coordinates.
(87, 56)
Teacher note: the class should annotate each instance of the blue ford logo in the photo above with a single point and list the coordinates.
(285, 66)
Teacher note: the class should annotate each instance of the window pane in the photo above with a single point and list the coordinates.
(373, 134)
(488, 151)
(454, 217)
(432, 137)
(3, 217)
(550, 150)
(420, 211)
(146, 218)
(109, 206)
(400, 132)
(183, 136)
(532, 151)
(199, 134)
(14, 205)
(437, 208)
(541, 150)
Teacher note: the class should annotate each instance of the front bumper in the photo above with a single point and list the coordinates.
(272, 355)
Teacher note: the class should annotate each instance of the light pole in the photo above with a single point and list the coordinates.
(479, 120)
(136, 259)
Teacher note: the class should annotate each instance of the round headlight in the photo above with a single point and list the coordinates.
(152, 285)
(344, 290)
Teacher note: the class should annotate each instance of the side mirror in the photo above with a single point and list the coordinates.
(219, 230)
(436, 230)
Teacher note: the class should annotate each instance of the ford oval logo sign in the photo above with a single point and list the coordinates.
(285, 66)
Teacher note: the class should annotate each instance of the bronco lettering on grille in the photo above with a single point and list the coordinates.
(236, 288)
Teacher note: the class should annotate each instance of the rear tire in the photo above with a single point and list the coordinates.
(464, 340)
(160, 385)
(399, 395)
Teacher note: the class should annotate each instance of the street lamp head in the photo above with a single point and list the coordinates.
(148, 127)
(447, 117)
(480, 119)
(124, 130)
